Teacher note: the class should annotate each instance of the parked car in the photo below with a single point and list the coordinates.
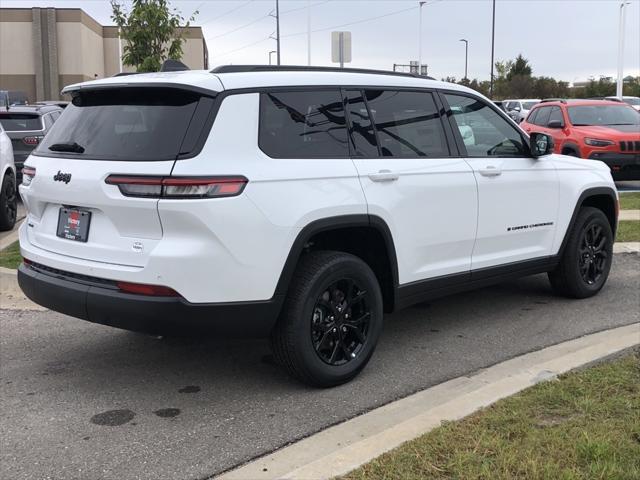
(603, 130)
(500, 105)
(8, 194)
(519, 109)
(13, 97)
(60, 103)
(633, 101)
(298, 203)
(26, 126)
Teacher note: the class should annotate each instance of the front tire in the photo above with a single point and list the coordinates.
(587, 257)
(331, 319)
(8, 203)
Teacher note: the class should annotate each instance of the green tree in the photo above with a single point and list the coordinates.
(152, 31)
(519, 67)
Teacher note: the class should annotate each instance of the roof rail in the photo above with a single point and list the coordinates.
(124, 74)
(561, 100)
(304, 68)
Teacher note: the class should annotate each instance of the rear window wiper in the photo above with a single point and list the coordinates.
(66, 147)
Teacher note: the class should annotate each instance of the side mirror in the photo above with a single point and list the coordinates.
(555, 124)
(541, 144)
(516, 109)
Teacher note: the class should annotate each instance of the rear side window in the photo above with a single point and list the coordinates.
(136, 124)
(407, 123)
(20, 122)
(303, 124)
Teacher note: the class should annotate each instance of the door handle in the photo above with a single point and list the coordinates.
(490, 171)
(383, 176)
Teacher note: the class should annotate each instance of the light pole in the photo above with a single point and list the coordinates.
(420, 39)
(278, 30)
(493, 45)
(309, 32)
(272, 51)
(466, 55)
(621, 50)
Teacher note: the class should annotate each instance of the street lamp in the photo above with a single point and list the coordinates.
(420, 39)
(493, 48)
(621, 50)
(272, 51)
(466, 55)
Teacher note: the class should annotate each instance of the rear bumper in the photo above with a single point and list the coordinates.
(624, 166)
(99, 301)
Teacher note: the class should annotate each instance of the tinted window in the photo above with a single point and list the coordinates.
(483, 130)
(361, 128)
(306, 124)
(17, 122)
(603, 115)
(528, 105)
(556, 115)
(124, 124)
(542, 119)
(532, 116)
(408, 124)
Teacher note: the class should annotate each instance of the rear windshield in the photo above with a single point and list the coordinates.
(19, 122)
(136, 124)
(528, 105)
(603, 115)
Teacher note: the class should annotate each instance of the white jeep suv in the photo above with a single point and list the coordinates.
(299, 204)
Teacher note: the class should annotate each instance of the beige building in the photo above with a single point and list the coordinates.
(44, 49)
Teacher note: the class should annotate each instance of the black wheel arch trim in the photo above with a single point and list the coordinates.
(570, 146)
(336, 223)
(589, 192)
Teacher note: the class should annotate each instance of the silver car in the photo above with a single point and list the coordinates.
(519, 109)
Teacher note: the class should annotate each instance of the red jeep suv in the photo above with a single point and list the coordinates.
(594, 129)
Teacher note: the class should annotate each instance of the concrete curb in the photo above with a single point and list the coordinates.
(11, 296)
(10, 237)
(629, 215)
(346, 446)
(626, 247)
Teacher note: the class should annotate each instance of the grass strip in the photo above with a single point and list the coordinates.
(586, 425)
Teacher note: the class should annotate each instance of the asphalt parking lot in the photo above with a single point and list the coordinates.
(84, 401)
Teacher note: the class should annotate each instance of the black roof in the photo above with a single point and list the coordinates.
(304, 68)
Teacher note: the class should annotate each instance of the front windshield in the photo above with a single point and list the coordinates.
(603, 115)
(528, 105)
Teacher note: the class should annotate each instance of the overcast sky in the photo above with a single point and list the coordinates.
(570, 40)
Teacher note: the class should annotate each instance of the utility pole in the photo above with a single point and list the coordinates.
(420, 39)
(493, 47)
(309, 32)
(278, 30)
(466, 56)
(620, 82)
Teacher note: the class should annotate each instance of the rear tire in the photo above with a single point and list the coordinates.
(331, 319)
(586, 260)
(8, 203)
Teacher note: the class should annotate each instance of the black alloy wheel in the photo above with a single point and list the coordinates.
(593, 257)
(340, 322)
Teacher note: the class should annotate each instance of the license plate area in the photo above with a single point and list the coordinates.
(73, 224)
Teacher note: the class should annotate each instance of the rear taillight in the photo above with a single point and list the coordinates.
(178, 187)
(143, 289)
(27, 175)
(32, 141)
